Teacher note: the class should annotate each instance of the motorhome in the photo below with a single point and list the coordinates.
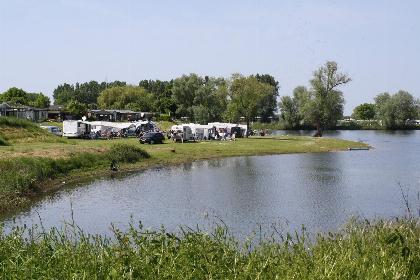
(77, 129)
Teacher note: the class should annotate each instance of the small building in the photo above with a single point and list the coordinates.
(103, 115)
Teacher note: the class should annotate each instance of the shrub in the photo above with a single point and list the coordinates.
(165, 118)
(126, 153)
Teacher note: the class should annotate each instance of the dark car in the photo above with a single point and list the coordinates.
(152, 138)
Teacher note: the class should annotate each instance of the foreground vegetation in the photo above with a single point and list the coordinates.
(361, 250)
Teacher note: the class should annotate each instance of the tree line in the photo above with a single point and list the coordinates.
(237, 98)
(322, 104)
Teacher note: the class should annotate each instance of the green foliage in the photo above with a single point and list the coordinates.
(362, 250)
(86, 93)
(202, 100)
(289, 108)
(323, 105)
(183, 93)
(246, 96)
(395, 111)
(24, 176)
(365, 111)
(76, 108)
(165, 118)
(127, 153)
(42, 101)
(126, 98)
(15, 96)
(269, 103)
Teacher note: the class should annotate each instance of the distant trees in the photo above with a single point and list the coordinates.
(19, 96)
(86, 93)
(42, 101)
(322, 105)
(268, 106)
(201, 100)
(15, 96)
(396, 110)
(247, 97)
(289, 108)
(365, 111)
(127, 97)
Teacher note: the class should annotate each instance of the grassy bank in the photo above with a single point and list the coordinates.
(33, 160)
(361, 250)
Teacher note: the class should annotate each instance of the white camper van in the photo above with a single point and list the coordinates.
(76, 129)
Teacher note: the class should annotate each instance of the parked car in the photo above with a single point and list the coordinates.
(152, 137)
(53, 129)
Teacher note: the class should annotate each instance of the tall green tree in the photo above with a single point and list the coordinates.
(289, 108)
(365, 111)
(42, 101)
(268, 105)
(74, 107)
(126, 98)
(157, 87)
(245, 95)
(164, 102)
(209, 102)
(324, 104)
(184, 92)
(395, 111)
(15, 95)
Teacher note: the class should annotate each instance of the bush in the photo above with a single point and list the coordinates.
(126, 153)
(165, 118)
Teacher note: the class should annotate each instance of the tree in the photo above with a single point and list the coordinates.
(74, 107)
(209, 102)
(289, 108)
(380, 100)
(42, 101)
(395, 111)
(86, 93)
(324, 104)
(15, 95)
(126, 98)
(365, 111)
(184, 92)
(245, 97)
(269, 103)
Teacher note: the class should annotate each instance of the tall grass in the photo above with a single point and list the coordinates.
(23, 177)
(361, 250)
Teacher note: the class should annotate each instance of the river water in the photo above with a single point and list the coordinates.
(318, 190)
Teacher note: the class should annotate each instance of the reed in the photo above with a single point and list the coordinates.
(360, 250)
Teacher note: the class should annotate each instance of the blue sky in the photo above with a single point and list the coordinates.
(47, 43)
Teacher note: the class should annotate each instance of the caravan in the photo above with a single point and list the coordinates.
(239, 129)
(182, 133)
(76, 129)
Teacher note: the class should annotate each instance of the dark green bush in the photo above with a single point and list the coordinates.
(126, 153)
(164, 117)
